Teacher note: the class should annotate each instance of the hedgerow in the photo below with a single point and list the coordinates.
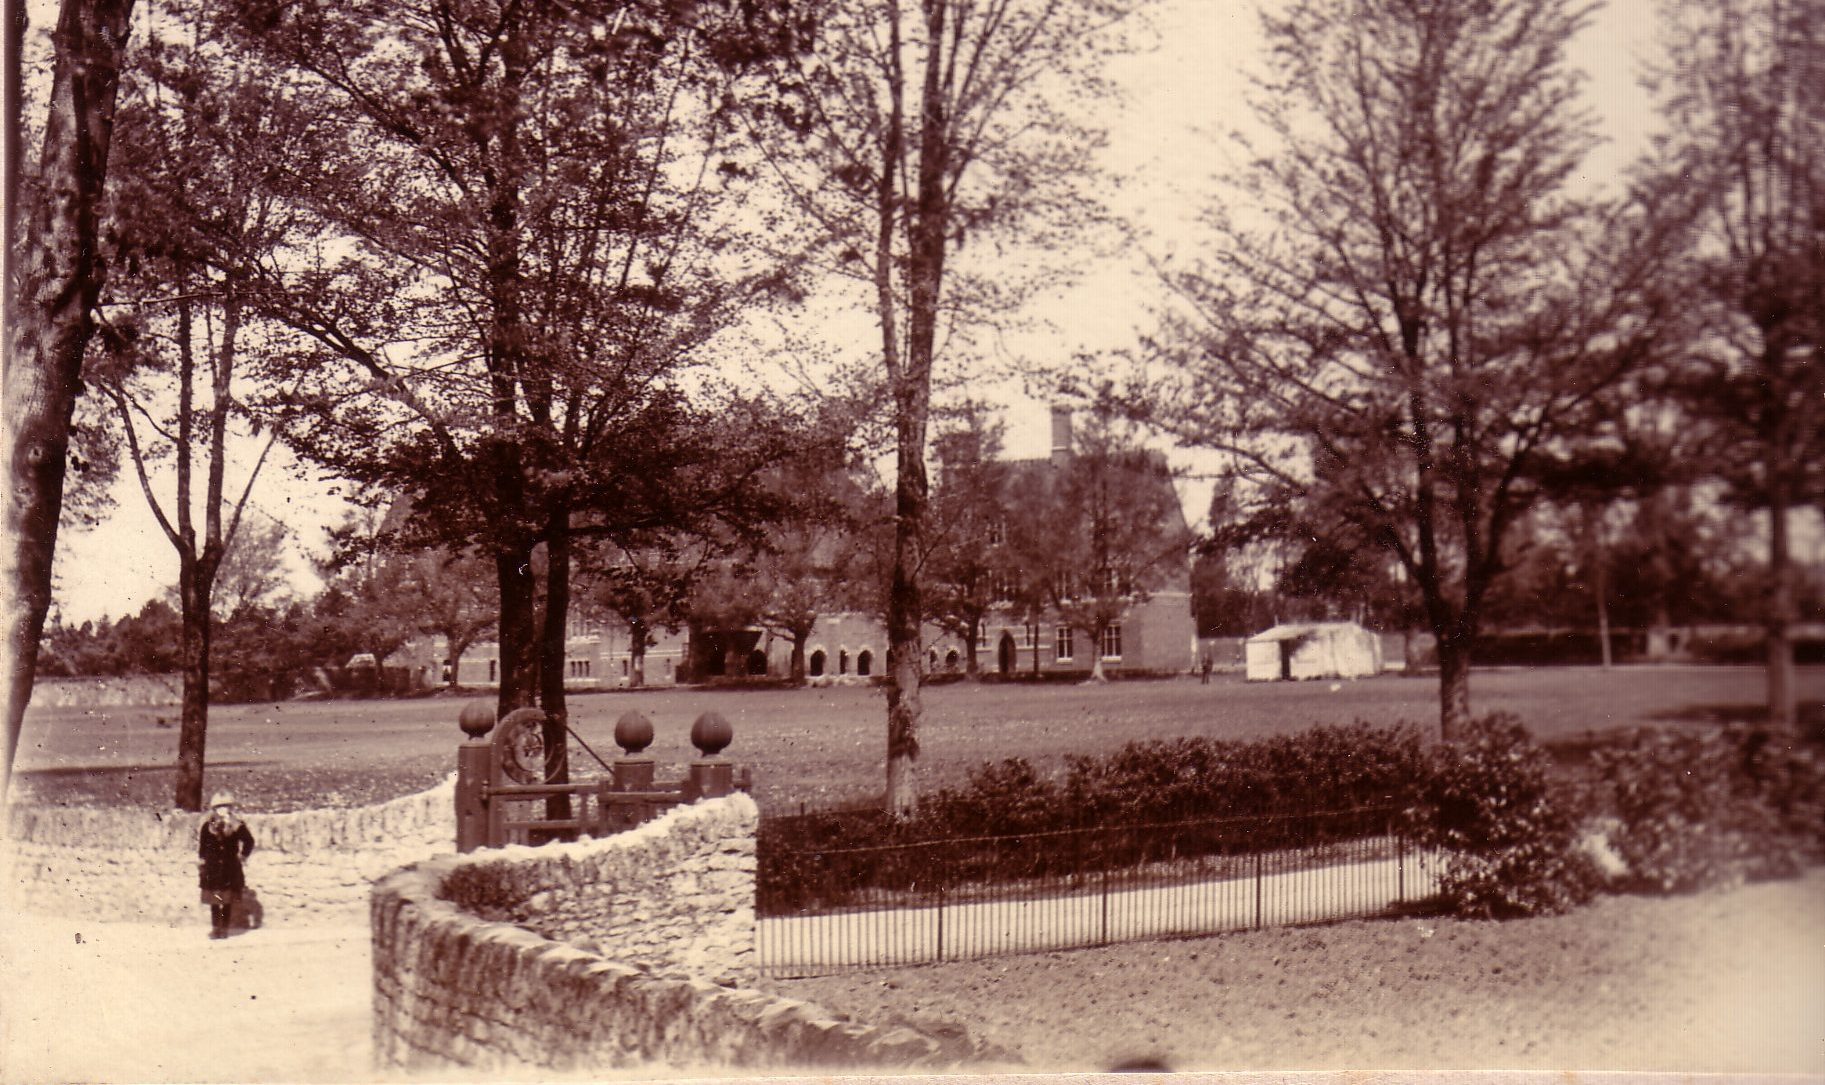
(1688, 810)
(1510, 837)
(1659, 810)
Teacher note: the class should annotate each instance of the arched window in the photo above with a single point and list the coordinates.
(816, 665)
(842, 661)
(950, 659)
(757, 662)
(864, 663)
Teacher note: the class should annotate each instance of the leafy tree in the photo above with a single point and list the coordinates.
(968, 567)
(526, 267)
(727, 598)
(175, 330)
(810, 561)
(903, 131)
(1745, 143)
(1104, 529)
(54, 274)
(451, 598)
(252, 571)
(648, 585)
(1425, 322)
(369, 589)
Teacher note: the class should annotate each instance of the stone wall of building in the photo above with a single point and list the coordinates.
(619, 953)
(308, 867)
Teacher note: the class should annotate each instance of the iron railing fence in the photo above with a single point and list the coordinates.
(825, 909)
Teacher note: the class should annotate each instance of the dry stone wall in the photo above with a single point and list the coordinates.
(108, 691)
(603, 955)
(676, 893)
(308, 867)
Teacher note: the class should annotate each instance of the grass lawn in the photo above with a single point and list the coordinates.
(821, 747)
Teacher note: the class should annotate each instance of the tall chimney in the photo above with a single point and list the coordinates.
(1061, 435)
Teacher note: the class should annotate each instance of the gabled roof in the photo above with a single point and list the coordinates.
(1291, 630)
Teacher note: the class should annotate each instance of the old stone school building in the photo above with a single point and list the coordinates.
(1156, 634)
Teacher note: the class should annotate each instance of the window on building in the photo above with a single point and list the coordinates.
(1066, 648)
(1110, 582)
(998, 532)
(1032, 639)
(494, 670)
(864, 663)
(1112, 642)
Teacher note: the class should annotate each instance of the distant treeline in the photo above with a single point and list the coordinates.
(257, 653)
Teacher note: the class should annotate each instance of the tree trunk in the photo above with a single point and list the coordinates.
(1600, 586)
(193, 728)
(1781, 606)
(518, 639)
(971, 668)
(636, 654)
(799, 641)
(1453, 686)
(553, 658)
(904, 610)
(53, 281)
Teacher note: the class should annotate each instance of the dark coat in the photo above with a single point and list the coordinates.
(219, 850)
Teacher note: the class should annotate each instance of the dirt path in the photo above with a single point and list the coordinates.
(131, 1002)
(1730, 982)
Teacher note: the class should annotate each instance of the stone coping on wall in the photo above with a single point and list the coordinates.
(461, 981)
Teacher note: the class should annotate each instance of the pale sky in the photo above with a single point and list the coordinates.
(1165, 145)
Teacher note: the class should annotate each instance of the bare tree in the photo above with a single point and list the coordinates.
(1745, 135)
(176, 327)
(909, 128)
(1421, 321)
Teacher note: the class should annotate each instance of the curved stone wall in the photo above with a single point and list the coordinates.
(624, 952)
(308, 867)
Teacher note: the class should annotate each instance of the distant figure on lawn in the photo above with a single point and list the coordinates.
(222, 844)
(1205, 666)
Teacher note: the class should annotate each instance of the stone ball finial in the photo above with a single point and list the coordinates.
(633, 732)
(711, 734)
(477, 718)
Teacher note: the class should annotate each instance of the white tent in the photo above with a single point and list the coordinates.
(1313, 650)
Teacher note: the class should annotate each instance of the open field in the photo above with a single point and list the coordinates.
(820, 746)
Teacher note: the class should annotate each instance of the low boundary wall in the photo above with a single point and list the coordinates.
(308, 867)
(624, 952)
(111, 691)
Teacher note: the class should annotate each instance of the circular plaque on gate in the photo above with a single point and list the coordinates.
(522, 745)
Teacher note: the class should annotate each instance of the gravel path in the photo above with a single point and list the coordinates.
(1730, 982)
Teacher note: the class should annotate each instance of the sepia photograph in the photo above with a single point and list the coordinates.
(1242, 540)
